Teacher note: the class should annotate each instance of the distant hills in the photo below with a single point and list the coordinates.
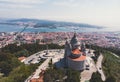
(36, 23)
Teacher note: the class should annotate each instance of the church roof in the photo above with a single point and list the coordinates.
(75, 54)
(76, 51)
(81, 58)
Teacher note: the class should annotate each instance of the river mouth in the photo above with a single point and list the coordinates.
(16, 28)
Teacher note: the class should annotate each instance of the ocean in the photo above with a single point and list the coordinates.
(16, 28)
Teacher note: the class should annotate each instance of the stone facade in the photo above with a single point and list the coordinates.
(75, 54)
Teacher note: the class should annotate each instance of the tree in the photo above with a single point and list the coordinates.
(8, 62)
(110, 79)
(72, 76)
(12, 48)
(96, 77)
(20, 73)
(54, 75)
(5, 67)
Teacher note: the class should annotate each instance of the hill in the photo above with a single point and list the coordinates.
(36, 23)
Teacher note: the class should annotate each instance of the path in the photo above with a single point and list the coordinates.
(99, 67)
(87, 74)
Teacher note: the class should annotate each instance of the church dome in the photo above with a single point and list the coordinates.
(74, 41)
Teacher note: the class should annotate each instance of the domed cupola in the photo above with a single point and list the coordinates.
(74, 42)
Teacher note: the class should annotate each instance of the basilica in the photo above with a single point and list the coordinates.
(75, 54)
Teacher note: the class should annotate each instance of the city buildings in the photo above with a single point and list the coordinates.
(100, 39)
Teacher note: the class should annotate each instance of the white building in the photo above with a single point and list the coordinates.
(75, 55)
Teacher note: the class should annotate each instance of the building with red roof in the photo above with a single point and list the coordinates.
(22, 59)
(75, 55)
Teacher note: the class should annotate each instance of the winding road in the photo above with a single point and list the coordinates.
(87, 74)
(99, 67)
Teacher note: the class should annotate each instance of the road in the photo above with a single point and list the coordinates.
(87, 74)
(57, 54)
(36, 74)
(35, 58)
(43, 66)
(115, 55)
(99, 67)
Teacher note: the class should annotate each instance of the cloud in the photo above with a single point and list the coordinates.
(67, 3)
(80, 3)
(20, 3)
(15, 6)
(103, 12)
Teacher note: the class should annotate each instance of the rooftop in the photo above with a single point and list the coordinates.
(81, 58)
(76, 51)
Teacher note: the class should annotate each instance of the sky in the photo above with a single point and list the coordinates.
(95, 12)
